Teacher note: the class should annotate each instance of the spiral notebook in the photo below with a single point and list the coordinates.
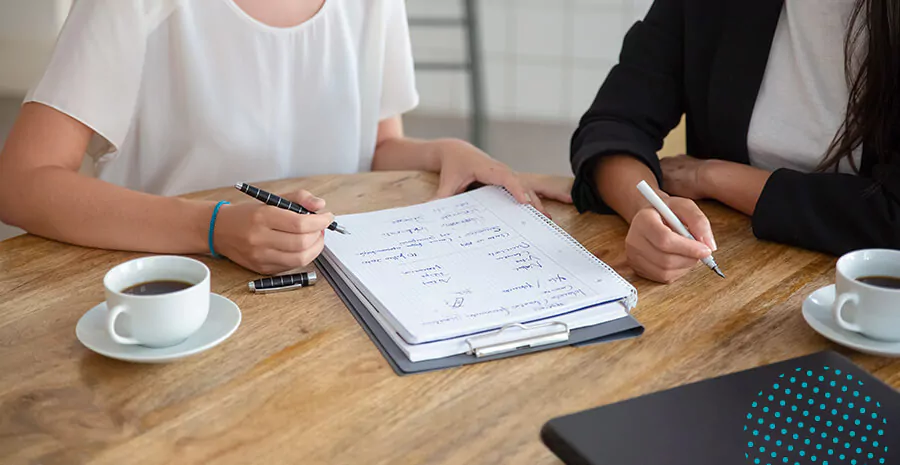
(478, 267)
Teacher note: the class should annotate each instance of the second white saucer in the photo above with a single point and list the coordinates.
(818, 314)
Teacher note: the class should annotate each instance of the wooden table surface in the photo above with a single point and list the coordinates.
(300, 382)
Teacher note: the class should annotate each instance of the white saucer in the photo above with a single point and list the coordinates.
(224, 318)
(817, 312)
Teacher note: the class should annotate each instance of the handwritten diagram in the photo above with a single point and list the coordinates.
(465, 263)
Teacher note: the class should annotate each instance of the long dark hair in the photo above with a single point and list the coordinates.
(872, 66)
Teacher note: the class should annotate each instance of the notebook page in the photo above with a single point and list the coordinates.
(450, 347)
(467, 265)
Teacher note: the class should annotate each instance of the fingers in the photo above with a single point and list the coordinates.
(648, 269)
(295, 223)
(555, 194)
(662, 259)
(552, 187)
(292, 243)
(447, 187)
(273, 261)
(694, 219)
(499, 175)
(536, 202)
(269, 260)
(306, 199)
(658, 253)
(661, 237)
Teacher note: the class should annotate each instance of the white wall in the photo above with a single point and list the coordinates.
(543, 59)
(28, 30)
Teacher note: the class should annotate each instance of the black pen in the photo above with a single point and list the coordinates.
(276, 201)
(282, 283)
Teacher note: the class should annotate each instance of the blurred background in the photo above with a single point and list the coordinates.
(512, 76)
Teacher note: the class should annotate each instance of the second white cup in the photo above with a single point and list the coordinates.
(863, 307)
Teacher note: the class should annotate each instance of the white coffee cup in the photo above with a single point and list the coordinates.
(872, 311)
(156, 320)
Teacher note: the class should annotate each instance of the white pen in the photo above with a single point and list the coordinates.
(673, 221)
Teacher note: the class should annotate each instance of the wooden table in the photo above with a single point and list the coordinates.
(300, 382)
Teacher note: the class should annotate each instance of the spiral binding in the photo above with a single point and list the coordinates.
(631, 300)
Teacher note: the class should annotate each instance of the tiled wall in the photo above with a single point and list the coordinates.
(543, 59)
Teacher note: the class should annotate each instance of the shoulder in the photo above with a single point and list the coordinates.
(385, 10)
(146, 15)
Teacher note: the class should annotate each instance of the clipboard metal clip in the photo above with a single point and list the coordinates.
(560, 334)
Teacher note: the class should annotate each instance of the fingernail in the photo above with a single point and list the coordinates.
(528, 198)
(713, 242)
(317, 199)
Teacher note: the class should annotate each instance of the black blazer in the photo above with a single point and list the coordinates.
(706, 59)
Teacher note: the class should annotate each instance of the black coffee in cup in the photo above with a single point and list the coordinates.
(890, 282)
(157, 287)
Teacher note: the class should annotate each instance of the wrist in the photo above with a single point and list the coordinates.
(616, 178)
(197, 214)
(707, 177)
(217, 244)
(441, 150)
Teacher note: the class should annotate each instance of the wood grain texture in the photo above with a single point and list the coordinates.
(300, 382)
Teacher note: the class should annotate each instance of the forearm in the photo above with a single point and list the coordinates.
(736, 185)
(617, 178)
(404, 153)
(57, 203)
(829, 212)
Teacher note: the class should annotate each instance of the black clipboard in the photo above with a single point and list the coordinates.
(622, 328)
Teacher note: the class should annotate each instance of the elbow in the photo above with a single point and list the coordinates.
(10, 209)
(7, 214)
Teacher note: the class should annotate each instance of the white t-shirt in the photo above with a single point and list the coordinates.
(803, 98)
(186, 95)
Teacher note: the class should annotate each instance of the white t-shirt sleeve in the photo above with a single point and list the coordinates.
(94, 73)
(398, 93)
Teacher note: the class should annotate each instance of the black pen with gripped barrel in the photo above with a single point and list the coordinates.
(276, 201)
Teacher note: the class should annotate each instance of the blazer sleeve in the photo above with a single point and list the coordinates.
(830, 212)
(637, 106)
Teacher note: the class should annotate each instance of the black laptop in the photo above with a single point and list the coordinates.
(819, 409)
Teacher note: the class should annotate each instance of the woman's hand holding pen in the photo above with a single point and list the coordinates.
(657, 252)
(271, 240)
(655, 249)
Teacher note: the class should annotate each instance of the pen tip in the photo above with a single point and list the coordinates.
(239, 186)
(719, 272)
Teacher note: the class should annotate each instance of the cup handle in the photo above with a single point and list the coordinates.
(111, 326)
(838, 309)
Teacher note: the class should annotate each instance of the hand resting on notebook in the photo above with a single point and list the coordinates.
(465, 164)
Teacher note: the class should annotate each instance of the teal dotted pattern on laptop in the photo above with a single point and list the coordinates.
(807, 417)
